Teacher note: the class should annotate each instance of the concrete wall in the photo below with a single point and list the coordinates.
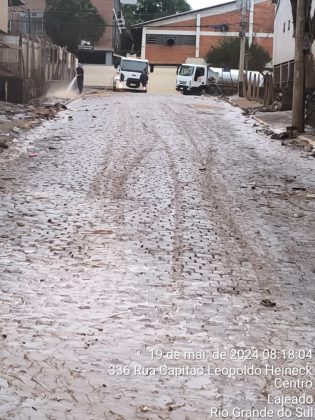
(27, 65)
(22, 90)
(4, 15)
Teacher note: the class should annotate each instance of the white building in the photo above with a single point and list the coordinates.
(3, 15)
(284, 47)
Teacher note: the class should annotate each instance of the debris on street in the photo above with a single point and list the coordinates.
(156, 262)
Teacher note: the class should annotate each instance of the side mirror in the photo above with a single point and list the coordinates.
(116, 63)
(151, 68)
(177, 70)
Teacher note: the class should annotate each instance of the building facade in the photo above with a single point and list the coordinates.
(172, 39)
(4, 16)
(29, 19)
(28, 63)
(110, 40)
(284, 48)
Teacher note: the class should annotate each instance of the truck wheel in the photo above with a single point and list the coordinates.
(203, 92)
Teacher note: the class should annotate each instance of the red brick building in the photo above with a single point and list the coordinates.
(111, 37)
(171, 39)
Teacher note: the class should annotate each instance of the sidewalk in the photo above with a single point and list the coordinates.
(277, 121)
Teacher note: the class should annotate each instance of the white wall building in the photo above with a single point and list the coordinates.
(3, 15)
(284, 47)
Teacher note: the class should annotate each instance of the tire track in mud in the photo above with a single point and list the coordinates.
(250, 244)
(212, 187)
(76, 315)
(177, 247)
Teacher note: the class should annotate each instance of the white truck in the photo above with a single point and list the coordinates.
(132, 74)
(201, 79)
(195, 79)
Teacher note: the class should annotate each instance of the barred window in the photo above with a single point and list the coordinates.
(32, 23)
(162, 39)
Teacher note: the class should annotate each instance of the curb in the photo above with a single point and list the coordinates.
(260, 121)
(300, 136)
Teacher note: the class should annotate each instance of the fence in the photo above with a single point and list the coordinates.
(29, 64)
(252, 86)
(258, 87)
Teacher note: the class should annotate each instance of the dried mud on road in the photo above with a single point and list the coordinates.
(139, 235)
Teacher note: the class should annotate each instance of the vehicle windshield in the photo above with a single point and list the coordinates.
(132, 65)
(186, 70)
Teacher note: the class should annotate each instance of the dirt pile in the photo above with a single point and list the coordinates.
(16, 118)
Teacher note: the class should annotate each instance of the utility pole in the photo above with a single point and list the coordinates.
(242, 50)
(299, 69)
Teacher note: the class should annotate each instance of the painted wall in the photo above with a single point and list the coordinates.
(283, 46)
(284, 41)
(4, 15)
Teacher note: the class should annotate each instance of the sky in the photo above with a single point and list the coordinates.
(199, 4)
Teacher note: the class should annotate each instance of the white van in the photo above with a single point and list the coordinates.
(132, 74)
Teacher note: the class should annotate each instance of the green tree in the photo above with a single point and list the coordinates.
(227, 54)
(67, 23)
(153, 9)
(144, 11)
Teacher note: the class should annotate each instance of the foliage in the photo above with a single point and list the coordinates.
(146, 10)
(69, 22)
(227, 54)
(258, 57)
(153, 9)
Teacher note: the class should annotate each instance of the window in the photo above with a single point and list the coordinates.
(186, 70)
(284, 27)
(32, 22)
(200, 72)
(134, 66)
(289, 25)
(162, 39)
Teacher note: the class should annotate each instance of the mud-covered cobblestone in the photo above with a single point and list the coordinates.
(149, 222)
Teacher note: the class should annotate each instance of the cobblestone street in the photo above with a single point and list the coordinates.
(139, 231)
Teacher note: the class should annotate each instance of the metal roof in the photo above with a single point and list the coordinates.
(192, 12)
